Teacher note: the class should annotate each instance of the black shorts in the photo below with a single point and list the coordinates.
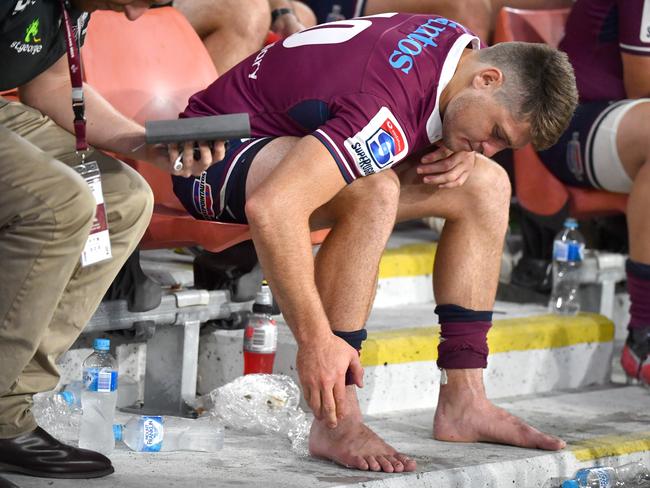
(219, 194)
(566, 159)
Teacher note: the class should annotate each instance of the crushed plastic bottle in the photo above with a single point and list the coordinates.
(262, 404)
(157, 433)
(630, 475)
(57, 415)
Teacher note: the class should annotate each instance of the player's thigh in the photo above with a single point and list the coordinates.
(633, 137)
(486, 191)
(266, 160)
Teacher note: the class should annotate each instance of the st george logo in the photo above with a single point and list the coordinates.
(385, 143)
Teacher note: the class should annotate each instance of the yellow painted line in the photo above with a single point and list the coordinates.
(520, 334)
(612, 445)
(409, 260)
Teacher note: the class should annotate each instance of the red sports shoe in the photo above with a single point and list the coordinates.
(634, 357)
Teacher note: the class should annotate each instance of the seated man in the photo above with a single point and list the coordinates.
(47, 211)
(333, 110)
(606, 145)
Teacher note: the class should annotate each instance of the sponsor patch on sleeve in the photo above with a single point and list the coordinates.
(379, 145)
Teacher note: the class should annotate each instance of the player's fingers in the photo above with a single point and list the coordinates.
(205, 161)
(314, 401)
(328, 406)
(340, 398)
(357, 371)
(218, 151)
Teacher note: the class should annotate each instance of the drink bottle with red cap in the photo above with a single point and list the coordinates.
(260, 334)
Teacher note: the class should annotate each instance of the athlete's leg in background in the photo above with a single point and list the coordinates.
(361, 216)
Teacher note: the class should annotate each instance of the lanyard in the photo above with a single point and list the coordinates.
(74, 65)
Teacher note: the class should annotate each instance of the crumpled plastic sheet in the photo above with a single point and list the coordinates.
(56, 417)
(262, 404)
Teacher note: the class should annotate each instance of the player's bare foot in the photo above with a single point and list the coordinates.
(464, 414)
(355, 445)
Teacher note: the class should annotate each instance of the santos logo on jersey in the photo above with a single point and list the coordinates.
(379, 145)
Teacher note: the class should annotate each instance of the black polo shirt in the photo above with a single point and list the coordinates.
(32, 39)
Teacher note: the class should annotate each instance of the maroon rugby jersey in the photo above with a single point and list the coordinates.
(596, 33)
(367, 88)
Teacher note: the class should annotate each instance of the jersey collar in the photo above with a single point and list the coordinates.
(434, 123)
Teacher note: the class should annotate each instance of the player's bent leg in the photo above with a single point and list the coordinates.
(345, 272)
(465, 280)
(633, 147)
(362, 217)
(230, 30)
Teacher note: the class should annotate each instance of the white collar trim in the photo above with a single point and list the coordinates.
(434, 123)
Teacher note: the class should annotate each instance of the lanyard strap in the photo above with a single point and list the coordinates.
(74, 65)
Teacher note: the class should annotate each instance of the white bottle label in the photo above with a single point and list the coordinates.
(152, 433)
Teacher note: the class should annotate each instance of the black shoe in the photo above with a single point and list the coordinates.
(5, 483)
(39, 454)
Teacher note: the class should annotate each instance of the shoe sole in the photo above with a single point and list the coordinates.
(40, 474)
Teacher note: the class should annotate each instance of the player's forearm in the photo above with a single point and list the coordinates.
(283, 246)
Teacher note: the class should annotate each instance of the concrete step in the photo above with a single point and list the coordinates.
(531, 352)
(605, 425)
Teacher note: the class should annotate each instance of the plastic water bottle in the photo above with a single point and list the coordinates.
(260, 335)
(568, 254)
(335, 14)
(154, 434)
(98, 399)
(631, 475)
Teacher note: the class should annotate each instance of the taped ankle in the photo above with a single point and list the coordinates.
(355, 339)
(463, 337)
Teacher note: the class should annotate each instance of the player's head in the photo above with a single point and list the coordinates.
(513, 93)
(131, 8)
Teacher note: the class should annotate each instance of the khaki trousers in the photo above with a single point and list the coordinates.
(46, 210)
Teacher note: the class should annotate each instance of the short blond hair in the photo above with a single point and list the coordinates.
(539, 87)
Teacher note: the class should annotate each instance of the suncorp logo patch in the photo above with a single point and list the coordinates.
(413, 44)
(379, 145)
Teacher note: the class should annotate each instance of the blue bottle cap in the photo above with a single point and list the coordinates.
(117, 432)
(571, 223)
(67, 396)
(570, 484)
(102, 344)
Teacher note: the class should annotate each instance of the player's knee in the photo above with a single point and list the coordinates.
(488, 192)
(379, 191)
(250, 22)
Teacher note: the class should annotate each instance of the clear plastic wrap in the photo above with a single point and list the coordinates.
(262, 403)
(56, 416)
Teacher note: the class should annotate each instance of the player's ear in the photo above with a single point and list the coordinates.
(488, 78)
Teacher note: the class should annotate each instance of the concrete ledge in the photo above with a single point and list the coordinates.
(610, 418)
(532, 354)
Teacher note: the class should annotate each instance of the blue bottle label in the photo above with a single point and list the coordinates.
(603, 477)
(152, 433)
(564, 251)
(102, 380)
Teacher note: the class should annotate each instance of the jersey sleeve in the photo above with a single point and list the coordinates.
(634, 26)
(364, 136)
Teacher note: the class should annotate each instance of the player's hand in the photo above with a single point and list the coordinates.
(445, 168)
(287, 24)
(322, 370)
(195, 159)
